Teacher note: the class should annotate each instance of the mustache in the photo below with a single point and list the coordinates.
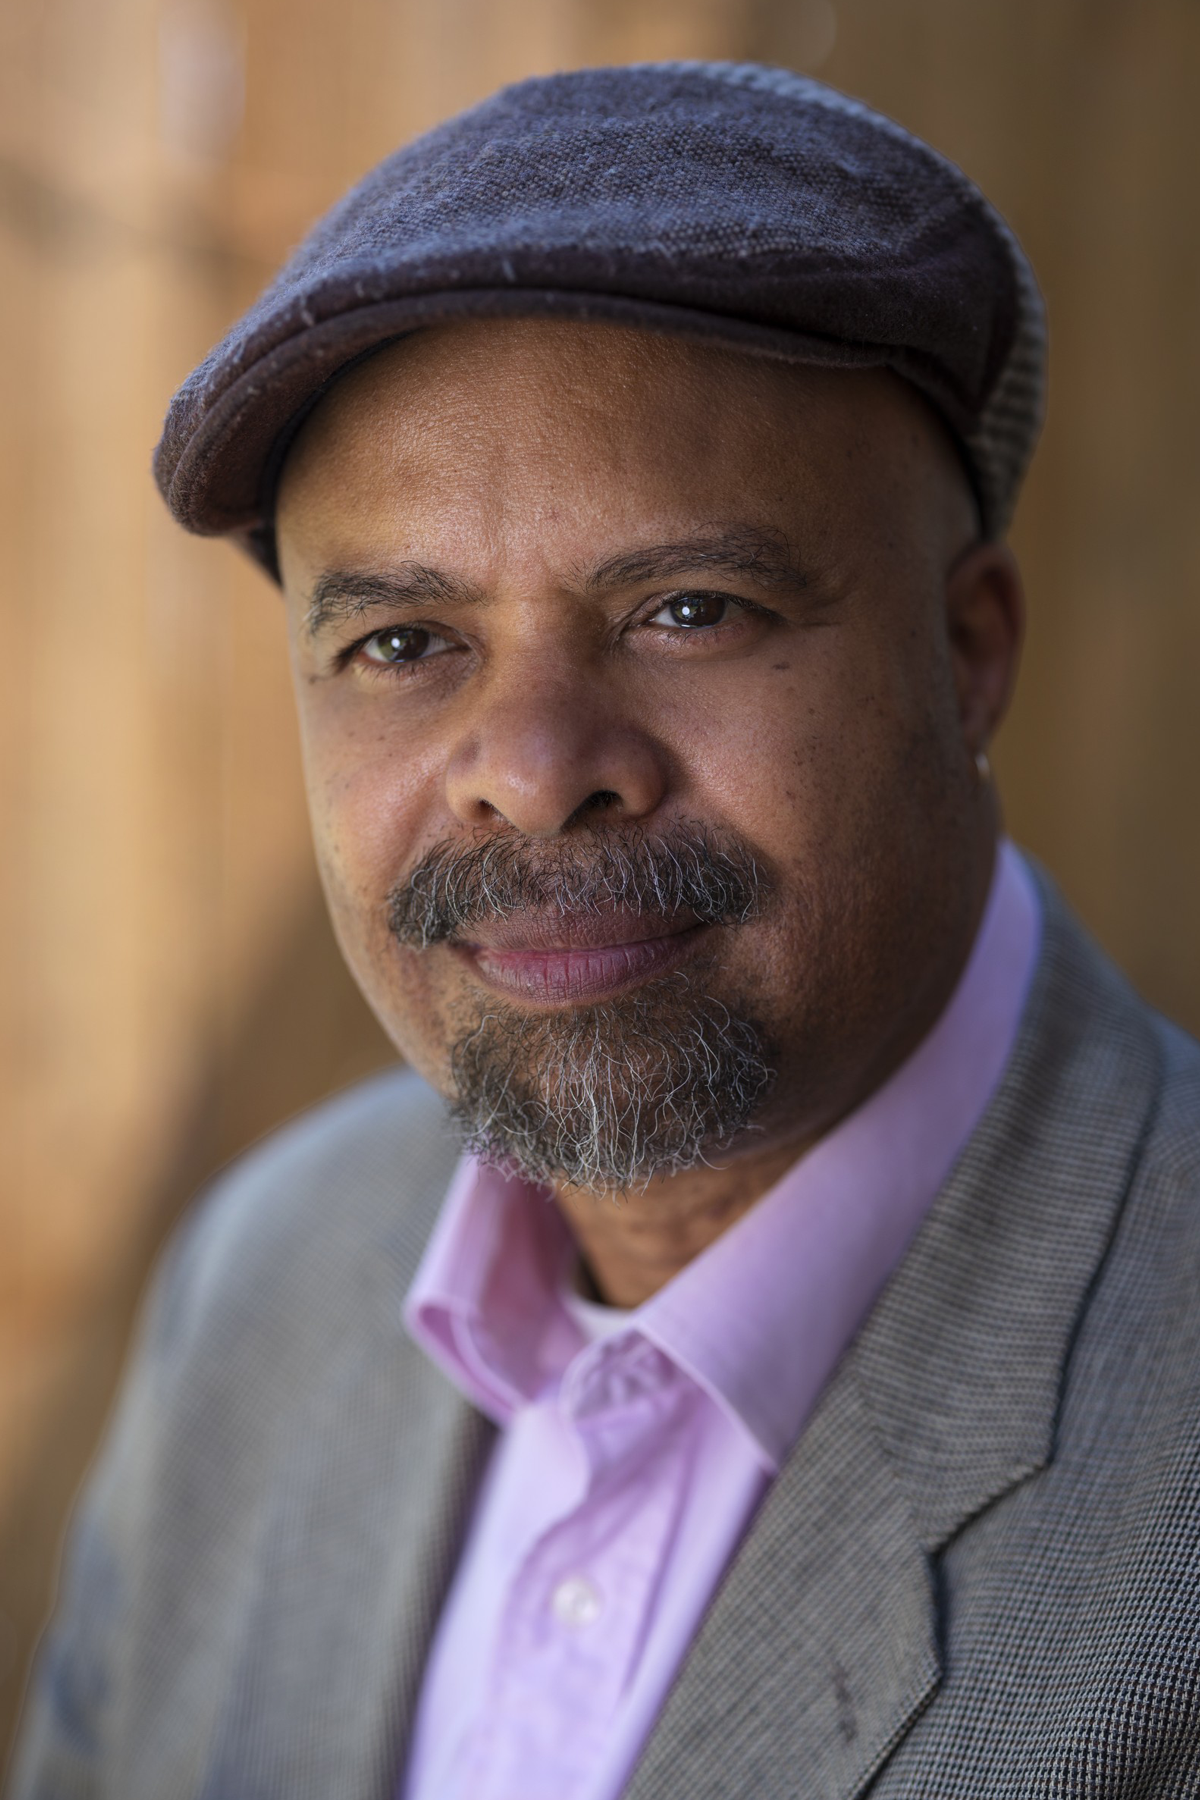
(711, 874)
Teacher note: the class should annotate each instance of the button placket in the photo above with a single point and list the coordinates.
(575, 1617)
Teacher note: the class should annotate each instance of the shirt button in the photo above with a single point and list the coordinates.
(575, 1601)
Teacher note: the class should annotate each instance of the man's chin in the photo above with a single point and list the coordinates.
(607, 1096)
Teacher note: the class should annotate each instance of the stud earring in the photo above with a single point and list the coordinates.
(983, 767)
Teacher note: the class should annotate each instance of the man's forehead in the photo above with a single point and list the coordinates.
(558, 371)
(558, 432)
(559, 398)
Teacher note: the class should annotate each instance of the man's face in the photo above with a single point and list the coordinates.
(637, 730)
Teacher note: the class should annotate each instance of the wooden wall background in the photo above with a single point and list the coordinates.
(169, 989)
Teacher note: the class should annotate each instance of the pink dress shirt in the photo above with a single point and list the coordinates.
(635, 1446)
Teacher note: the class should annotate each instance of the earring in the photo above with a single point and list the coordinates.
(983, 767)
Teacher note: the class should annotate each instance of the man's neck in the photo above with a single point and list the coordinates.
(632, 1244)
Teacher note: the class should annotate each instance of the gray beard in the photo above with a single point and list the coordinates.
(607, 1097)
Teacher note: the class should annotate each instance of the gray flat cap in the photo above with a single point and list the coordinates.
(730, 203)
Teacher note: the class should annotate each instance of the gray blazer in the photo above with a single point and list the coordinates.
(978, 1575)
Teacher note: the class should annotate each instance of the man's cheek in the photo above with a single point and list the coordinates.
(415, 998)
(363, 831)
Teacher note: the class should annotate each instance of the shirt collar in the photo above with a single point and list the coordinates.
(760, 1318)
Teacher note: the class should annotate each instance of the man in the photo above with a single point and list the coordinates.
(792, 1390)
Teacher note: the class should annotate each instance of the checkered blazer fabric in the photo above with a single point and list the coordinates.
(976, 1578)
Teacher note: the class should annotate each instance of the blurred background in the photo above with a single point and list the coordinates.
(170, 989)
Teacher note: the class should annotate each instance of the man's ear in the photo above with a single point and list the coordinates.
(985, 622)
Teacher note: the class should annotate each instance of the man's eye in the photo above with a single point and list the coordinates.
(693, 611)
(401, 644)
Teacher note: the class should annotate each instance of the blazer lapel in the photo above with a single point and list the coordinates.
(445, 1444)
(964, 1359)
(321, 1693)
(822, 1646)
(357, 1543)
(417, 1576)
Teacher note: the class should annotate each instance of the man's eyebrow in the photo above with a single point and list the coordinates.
(762, 555)
(341, 594)
(765, 556)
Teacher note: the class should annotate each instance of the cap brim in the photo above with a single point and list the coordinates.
(226, 474)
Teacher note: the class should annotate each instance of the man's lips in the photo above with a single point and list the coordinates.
(577, 959)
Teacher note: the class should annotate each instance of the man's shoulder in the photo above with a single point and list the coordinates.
(352, 1157)
(1163, 1206)
(1163, 1224)
(1175, 1135)
(291, 1231)
(1146, 1073)
(1135, 1367)
(260, 1481)
(1088, 1019)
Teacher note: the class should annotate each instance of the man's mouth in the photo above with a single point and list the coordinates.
(579, 959)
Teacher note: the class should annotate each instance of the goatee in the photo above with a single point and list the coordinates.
(602, 1097)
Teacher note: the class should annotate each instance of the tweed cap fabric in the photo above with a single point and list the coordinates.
(730, 203)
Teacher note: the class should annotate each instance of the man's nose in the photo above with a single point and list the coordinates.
(544, 749)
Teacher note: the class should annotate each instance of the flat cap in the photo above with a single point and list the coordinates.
(731, 203)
